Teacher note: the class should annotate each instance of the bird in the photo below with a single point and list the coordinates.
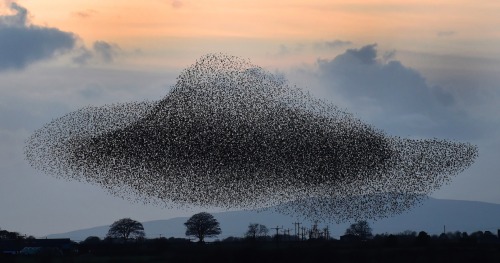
(230, 134)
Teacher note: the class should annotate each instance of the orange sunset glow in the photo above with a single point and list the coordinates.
(412, 23)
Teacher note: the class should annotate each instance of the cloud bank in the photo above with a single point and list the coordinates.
(331, 44)
(101, 51)
(23, 44)
(393, 94)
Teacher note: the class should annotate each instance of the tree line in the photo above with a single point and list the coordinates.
(203, 225)
(126, 238)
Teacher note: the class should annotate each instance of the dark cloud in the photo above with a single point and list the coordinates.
(22, 43)
(331, 44)
(19, 19)
(398, 93)
(83, 57)
(389, 55)
(365, 55)
(101, 51)
(357, 73)
(105, 50)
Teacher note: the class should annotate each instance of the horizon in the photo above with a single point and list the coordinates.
(380, 226)
(415, 70)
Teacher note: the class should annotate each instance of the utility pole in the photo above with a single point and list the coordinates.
(288, 233)
(277, 229)
(303, 233)
(285, 233)
(297, 229)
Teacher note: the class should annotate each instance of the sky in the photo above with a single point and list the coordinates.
(416, 69)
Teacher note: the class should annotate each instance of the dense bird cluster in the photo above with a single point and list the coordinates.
(230, 134)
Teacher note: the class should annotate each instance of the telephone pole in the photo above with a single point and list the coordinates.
(303, 233)
(277, 229)
(297, 229)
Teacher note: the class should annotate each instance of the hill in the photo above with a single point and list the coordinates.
(431, 216)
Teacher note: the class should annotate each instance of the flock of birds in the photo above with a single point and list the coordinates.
(232, 135)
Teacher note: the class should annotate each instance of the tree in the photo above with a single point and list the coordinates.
(256, 230)
(91, 240)
(202, 225)
(423, 238)
(360, 229)
(4, 234)
(126, 228)
(263, 231)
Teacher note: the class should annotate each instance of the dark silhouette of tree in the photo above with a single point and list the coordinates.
(256, 230)
(314, 232)
(391, 240)
(360, 229)
(231, 239)
(423, 238)
(4, 234)
(408, 233)
(252, 231)
(202, 225)
(91, 240)
(126, 228)
(263, 231)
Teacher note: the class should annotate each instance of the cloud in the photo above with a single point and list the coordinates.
(18, 19)
(101, 51)
(92, 91)
(290, 49)
(83, 57)
(105, 50)
(331, 44)
(286, 50)
(392, 94)
(283, 50)
(176, 4)
(388, 55)
(22, 43)
(85, 14)
(357, 74)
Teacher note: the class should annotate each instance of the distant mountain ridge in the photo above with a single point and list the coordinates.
(432, 216)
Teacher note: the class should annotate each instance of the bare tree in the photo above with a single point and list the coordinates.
(361, 229)
(202, 225)
(126, 228)
(263, 231)
(256, 230)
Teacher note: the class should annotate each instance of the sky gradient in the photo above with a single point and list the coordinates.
(420, 69)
